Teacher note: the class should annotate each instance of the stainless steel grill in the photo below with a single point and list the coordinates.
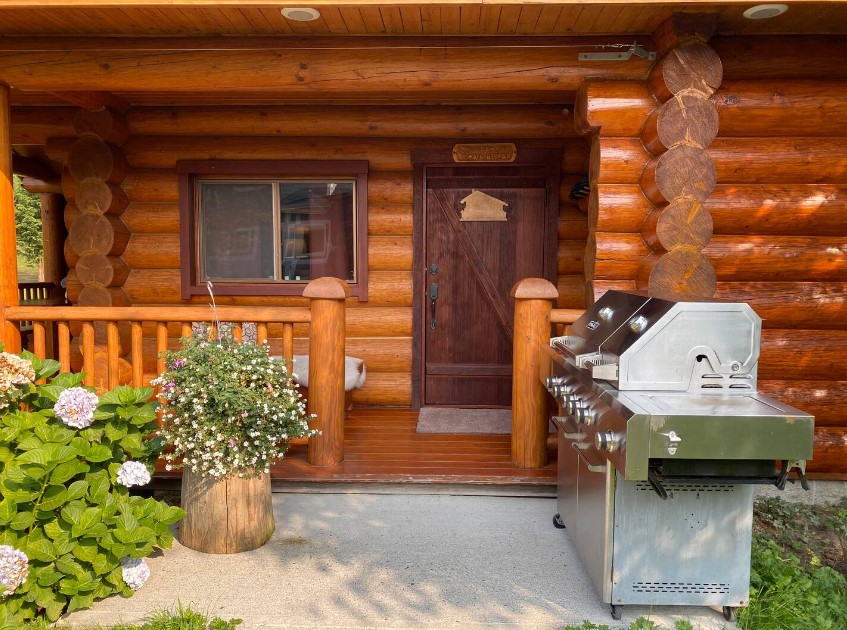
(661, 433)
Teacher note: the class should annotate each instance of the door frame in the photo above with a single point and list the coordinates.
(546, 154)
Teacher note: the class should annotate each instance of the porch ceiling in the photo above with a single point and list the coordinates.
(372, 17)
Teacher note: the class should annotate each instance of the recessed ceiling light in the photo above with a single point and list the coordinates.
(764, 11)
(301, 14)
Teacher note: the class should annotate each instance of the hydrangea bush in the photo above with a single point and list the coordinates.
(230, 408)
(70, 532)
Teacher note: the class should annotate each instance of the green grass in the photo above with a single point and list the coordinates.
(179, 619)
(27, 272)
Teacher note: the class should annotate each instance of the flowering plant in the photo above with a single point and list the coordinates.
(70, 530)
(229, 407)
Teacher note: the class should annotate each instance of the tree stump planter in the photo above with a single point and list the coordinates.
(225, 515)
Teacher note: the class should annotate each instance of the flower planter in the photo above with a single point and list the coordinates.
(225, 515)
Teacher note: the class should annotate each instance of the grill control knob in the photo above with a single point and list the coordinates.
(638, 323)
(607, 441)
(584, 415)
(605, 312)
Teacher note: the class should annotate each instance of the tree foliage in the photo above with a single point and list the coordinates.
(28, 224)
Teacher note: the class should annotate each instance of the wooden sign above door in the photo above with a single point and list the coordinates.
(489, 152)
(482, 207)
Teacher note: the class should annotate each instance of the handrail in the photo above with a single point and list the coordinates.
(565, 315)
(56, 320)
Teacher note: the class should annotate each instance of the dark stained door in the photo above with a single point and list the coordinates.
(467, 354)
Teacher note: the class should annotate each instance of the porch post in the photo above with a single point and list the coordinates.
(326, 369)
(9, 334)
(533, 303)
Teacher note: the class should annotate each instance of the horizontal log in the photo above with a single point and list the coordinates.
(38, 186)
(784, 258)
(830, 453)
(809, 305)
(803, 355)
(688, 117)
(780, 160)
(825, 400)
(93, 195)
(103, 123)
(153, 251)
(783, 57)
(693, 65)
(612, 108)
(571, 291)
(151, 217)
(91, 158)
(682, 171)
(617, 256)
(162, 286)
(107, 271)
(93, 233)
(385, 389)
(420, 121)
(408, 70)
(97, 295)
(595, 289)
(791, 209)
(681, 272)
(572, 224)
(680, 28)
(618, 160)
(781, 107)
(570, 259)
(34, 124)
(151, 185)
(390, 253)
(618, 208)
(393, 220)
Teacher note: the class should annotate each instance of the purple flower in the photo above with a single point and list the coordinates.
(133, 473)
(75, 407)
(14, 569)
(134, 572)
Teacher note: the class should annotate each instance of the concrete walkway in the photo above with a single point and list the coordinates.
(362, 560)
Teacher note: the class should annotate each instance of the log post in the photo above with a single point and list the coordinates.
(326, 369)
(533, 302)
(10, 336)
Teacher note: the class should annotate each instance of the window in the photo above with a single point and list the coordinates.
(268, 228)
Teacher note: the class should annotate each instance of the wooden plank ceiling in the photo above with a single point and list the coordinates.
(198, 18)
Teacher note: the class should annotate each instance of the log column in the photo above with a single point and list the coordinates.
(326, 369)
(9, 334)
(680, 177)
(534, 299)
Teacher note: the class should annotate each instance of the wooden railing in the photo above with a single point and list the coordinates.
(534, 319)
(99, 336)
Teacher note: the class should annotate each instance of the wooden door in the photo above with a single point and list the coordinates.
(470, 268)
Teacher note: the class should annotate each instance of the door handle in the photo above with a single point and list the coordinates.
(433, 296)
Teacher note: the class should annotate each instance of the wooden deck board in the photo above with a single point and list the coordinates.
(382, 446)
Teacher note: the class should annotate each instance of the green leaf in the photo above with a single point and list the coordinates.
(140, 534)
(67, 471)
(67, 565)
(55, 610)
(33, 471)
(22, 520)
(81, 600)
(48, 577)
(98, 486)
(88, 518)
(63, 543)
(78, 489)
(86, 549)
(40, 550)
(30, 442)
(103, 563)
(72, 514)
(8, 509)
(114, 431)
(53, 498)
(99, 453)
(121, 550)
(55, 433)
(52, 391)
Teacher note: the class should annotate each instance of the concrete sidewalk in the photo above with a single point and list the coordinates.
(360, 560)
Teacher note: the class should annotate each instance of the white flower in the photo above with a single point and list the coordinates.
(14, 371)
(133, 473)
(134, 572)
(75, 407)
(14, 569)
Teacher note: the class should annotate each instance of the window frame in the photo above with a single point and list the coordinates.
(189, 171)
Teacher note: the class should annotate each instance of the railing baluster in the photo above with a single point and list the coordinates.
(186, 329)
(88, 352)
(137, 350)
(161, 345)
(237, 332)
(288, 342)
(261, 332)
(64, 346)
(39, 340)
(113, 349)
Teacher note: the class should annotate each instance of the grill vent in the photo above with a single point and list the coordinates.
(644, 486)
(680, 587)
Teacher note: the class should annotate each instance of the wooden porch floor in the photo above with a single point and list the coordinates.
(381, 445)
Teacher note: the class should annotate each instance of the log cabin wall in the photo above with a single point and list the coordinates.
(379, 330)
(778, 211)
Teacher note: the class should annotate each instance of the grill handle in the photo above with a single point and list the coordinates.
(581, 447)
(570, 433)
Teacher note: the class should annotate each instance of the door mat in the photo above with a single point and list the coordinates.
(453, 420)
